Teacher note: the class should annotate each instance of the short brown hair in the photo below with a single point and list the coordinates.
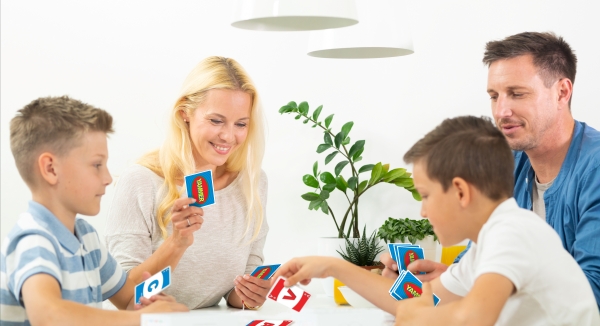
(52, 124)
(553, 57)
(470, 148)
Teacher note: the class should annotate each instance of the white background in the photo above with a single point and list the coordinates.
(130, 58)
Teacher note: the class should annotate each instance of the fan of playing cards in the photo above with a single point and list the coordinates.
(407, 285)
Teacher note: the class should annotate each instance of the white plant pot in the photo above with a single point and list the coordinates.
(431, 248)
(327, 247)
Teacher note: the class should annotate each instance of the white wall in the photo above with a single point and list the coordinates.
(130, 58)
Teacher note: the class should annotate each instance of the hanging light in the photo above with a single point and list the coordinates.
(381, 33)
(294, 15)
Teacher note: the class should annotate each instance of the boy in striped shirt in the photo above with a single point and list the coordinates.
(55, 270)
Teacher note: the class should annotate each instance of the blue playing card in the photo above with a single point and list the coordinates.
(265, 271)
(154, 285)
(406, 255)
(392, 248)
(200, 187)
(409, 287)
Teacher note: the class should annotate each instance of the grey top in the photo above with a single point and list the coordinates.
(220, 250)
(539, 206)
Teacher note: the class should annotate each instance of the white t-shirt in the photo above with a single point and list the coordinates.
(551, 288)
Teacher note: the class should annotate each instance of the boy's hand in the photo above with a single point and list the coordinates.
(410, 311)
(186, 220)
(391, 268)
(145, 302)
(433, 269)
(252, 290)
(303, 269)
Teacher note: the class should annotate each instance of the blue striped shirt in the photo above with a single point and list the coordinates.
(40, 243)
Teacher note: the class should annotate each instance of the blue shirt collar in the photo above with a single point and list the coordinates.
(51, 223)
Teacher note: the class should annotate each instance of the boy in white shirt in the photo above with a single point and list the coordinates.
(516, 273)
(55, 270)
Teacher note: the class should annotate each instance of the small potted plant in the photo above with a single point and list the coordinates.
(414, 231)
(361, 252)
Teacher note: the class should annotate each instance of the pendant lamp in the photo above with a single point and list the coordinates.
(381, 33)
(294, 15)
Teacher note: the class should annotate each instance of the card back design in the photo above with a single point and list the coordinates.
(265, 272)
(200, 187)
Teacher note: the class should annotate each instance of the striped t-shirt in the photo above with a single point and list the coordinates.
(40, 243)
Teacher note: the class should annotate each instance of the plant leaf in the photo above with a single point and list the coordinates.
(303, 108)
(325, 207)
(404, 182)
(340, 166)
(285, 109)
(306, 121)
(346, 141)
(315, 115)
(362, 186)
(356, 155)
(315, 168)
(416, 195)
(327, 138)
(310, 181)
(340, 183)
(384, 169)
(376, 173)
(346, 128)
(352, 183)
(330, 157)
(293, 105)
(365, 168)
(393, 174)
(359, 145)
(322, 148)
(329, 187)
(327, 178)
(298, 116)
(324, 195)
(328, 121)
(314, 204)
(338, 139)
(310, 196)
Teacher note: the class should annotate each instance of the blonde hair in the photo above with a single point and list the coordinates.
(174, 159)
(53, 124)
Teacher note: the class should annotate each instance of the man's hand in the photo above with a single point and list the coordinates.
(433, 269)
(410, 311)
(252, 290)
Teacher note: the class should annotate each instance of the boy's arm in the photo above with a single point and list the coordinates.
(45, 306)
(481, 306)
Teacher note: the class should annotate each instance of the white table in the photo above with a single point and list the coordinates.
(319, 310)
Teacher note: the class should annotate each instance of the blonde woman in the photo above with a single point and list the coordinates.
(216, 124)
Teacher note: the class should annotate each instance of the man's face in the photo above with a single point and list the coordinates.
(523, 107)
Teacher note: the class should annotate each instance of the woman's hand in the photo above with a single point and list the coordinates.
(251, 290)
(186, 220)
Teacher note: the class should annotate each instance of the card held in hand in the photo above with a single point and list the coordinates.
(293, 297)
(264, 272)
(153, 285)
(200, 187)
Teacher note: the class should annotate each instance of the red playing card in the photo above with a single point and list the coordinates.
(270, 323)
(293, 297)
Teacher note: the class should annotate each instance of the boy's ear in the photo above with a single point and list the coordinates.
(462, 190)
(47, 168)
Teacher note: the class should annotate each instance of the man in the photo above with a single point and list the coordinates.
(557, 159)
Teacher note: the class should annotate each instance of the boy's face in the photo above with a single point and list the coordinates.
(83, 175)
(441, 208)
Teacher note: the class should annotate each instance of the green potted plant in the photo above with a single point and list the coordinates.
(338, 145)
(361, 252)
(414, 231)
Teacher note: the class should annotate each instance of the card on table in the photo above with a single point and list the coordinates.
(265, 272)
(293, 297)
(200, 187)
(408, 286)
(154, 285)
(270, 323)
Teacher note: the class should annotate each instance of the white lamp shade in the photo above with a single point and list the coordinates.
(294, 15)
(381, 33)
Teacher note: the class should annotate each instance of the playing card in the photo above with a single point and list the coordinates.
(407, 255)
(293, 297)
(154, 285)
(392, 248)
(270, 322)
(200, 187)
(265, 271)
(409, 287)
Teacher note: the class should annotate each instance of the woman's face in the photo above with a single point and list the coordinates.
(219, 126)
